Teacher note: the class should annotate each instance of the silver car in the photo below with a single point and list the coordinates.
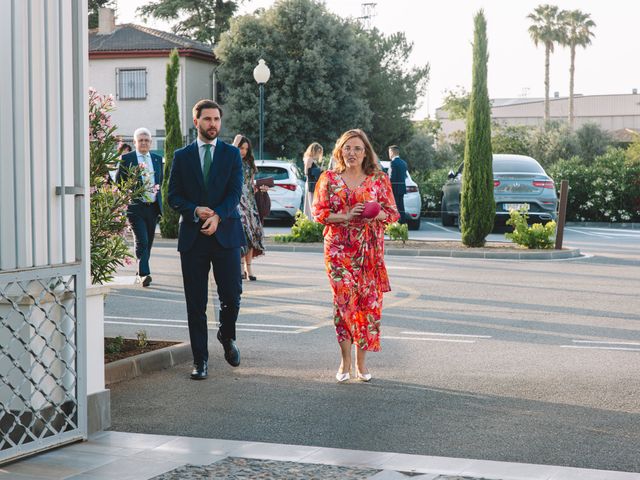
(287, 193)
(517, 180)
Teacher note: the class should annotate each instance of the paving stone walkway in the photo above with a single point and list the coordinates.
(236, 468)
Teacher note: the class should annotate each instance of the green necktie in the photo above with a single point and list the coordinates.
(207, 161)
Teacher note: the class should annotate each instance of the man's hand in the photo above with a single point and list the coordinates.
(204, 212)
(210, 225)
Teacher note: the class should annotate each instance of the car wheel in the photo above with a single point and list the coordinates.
(414, 224)
(447, 219)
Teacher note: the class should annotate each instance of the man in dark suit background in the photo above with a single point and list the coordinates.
(205, 187)
(398, 178)
(143, 213)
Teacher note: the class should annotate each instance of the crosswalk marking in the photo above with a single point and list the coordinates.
(425, 339)
(445, 334)
(174, 323)
(601, 348)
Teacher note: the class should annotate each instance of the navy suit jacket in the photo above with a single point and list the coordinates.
(130, 160)
(398, 177)
(222, 193)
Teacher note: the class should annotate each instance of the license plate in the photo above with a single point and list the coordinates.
(512, 206)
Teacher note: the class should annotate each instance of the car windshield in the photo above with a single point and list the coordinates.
(516, 165)
(278, 173)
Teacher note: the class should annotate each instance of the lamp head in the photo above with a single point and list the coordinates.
(261, 73)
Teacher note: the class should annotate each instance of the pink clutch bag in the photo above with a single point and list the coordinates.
(371, 210)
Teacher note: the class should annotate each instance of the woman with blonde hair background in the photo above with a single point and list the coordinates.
(312, 160)
(354, 245)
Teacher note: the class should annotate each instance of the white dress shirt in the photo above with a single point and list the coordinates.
(148, 176)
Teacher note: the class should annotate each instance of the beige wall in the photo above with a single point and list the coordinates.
(611, 112)
(194, 83)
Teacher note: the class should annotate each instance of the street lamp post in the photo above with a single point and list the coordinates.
(261, 74)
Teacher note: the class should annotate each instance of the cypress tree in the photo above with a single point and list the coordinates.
(477, 205)
(173, 141)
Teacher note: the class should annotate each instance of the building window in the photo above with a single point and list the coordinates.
(132, 83)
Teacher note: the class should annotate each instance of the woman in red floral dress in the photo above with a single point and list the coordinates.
(354, 246)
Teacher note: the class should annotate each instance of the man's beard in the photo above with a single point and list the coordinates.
(206, 134)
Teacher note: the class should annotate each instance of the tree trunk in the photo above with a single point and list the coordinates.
(547, 55)
(572, 72)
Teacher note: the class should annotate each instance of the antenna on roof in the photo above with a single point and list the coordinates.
(368, 13)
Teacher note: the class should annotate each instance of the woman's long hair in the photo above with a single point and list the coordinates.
(315, 151)
(249, 156)
(370, 162)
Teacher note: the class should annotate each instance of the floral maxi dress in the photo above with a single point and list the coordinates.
(253, 231)
(354, 255)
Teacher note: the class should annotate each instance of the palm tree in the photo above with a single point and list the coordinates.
(544, 29)
(577, 32)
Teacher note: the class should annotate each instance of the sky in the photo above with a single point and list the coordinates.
(442, 32)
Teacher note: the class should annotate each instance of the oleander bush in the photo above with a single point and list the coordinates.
(608, 190)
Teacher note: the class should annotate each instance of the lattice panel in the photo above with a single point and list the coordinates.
(38, 350)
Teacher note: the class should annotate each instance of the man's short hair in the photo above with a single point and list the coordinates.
(395, 149)
(142, 131)
(202, 104)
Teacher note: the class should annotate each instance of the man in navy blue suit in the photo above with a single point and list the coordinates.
(143, 213)
(205, 187)
(398, 176)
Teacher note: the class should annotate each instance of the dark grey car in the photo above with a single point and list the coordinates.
(517, 179)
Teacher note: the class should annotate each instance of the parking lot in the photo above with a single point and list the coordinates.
(529, 361)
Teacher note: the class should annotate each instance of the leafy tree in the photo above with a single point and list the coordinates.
(545, 29)
(419, 151)
(173, 141)
(477, 205)
(553, 142)
(429, 126)
(328, 75)
(632, 153)
(456, 103)
(592, 141)
(317, 88)
(511, 139)
(577, 31)
(201, 20)
(392, 88)
(94, 8)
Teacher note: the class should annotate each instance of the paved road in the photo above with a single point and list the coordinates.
(531, 361)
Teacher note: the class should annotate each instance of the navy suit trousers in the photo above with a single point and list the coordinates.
(400, 204)
(143, 219)
(205, 254)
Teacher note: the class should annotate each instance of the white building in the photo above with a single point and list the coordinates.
(618, 114)
(130, 62)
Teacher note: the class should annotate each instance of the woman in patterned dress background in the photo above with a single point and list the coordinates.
(354, 246)
(251, 223)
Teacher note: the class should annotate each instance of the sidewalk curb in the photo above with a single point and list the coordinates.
(450, 253)
(132, 367)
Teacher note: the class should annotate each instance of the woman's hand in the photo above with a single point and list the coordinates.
(382, 216)
(263, 188)
(355, 211)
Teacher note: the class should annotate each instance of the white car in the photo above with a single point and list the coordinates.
(287, 194)
(412, 199)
